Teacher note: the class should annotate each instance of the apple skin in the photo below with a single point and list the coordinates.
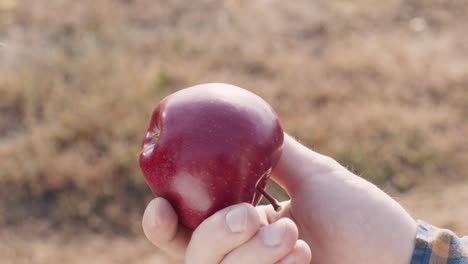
(208, 147)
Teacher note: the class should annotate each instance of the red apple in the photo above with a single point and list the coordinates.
(208, 147)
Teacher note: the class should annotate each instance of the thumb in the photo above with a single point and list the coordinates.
(160, 225)
(298, 164)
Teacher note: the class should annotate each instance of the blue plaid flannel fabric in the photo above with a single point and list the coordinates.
(439, 246)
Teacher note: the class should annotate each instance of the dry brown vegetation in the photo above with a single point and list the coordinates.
(382, 86)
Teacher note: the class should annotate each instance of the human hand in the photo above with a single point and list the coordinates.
(236, 234)
(343, 218)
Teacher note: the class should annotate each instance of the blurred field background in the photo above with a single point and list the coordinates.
(381, 86)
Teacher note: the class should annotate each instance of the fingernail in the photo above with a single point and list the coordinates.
(236, 219)
(160, 211)
(291, 259)
(150, 218)
(273, 234)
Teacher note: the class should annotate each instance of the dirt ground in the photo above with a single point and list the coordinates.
(440, 205)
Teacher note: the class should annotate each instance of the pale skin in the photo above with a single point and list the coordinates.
(336, 215)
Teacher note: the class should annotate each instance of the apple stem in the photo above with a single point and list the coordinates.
(270, 198)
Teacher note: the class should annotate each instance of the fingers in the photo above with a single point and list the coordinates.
(237, 234)
(300, 254)
(297, 163)
(222, 232)
(271, 244)
(160, 225)
(268, 212)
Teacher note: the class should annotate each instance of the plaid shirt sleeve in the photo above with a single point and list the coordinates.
(439, 246)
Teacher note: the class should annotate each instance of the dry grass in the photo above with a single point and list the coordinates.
(21, 248)
(381, 86)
